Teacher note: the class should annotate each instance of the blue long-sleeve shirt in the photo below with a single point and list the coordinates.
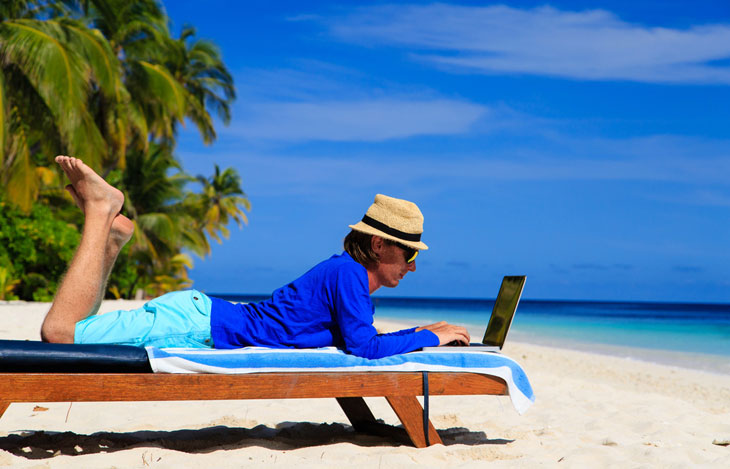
(328, 305)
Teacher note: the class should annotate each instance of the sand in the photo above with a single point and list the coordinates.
(591, 411)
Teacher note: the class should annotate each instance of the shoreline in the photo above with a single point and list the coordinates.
(710, 363)
(716, 364)
(591, 410)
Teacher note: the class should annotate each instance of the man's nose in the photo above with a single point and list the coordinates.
(412, 266)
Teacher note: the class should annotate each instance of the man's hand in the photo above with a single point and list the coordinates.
(448, 333)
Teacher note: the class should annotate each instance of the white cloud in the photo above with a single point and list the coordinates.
(320, 101)
(366, 120)
(588, 45)
(307, 80)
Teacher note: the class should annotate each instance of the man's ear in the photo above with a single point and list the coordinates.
(376, 244)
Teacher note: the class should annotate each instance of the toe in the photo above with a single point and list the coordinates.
(74, 195)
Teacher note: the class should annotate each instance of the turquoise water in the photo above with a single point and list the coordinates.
(683, 334)
(690, 335)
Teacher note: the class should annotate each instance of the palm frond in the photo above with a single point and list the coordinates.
(20, 183)
(164, 86)
(60, 76)
(162, 99)
(159, 227)
(4, 111)
(193, 238)
(97, 53)
(201, 118)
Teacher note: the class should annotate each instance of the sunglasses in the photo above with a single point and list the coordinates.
(409, 254)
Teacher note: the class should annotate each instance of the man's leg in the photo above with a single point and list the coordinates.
(121, 232)
(103, 235)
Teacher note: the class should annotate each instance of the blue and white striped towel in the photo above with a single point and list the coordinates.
(330, 359)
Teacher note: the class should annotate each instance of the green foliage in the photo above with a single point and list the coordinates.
(97, 79)
(35, 249)
(54, 64)
(104, 80)
(7, 282)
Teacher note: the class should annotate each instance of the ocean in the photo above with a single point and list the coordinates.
(682, 334)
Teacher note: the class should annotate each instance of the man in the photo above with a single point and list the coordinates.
(328, 305)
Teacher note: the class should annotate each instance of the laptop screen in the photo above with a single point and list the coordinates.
(504, 310)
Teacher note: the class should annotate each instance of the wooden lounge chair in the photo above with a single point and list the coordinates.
(40, 372)
(399, 388)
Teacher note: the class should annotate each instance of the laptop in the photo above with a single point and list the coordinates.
(500, 321)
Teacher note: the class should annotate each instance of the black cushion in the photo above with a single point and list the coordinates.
(22, 356)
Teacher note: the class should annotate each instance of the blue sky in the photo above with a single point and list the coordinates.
(583, 144)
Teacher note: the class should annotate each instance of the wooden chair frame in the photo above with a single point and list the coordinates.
(399, 388)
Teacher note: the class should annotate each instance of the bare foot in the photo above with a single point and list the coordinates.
(122, 227)
(92, 192)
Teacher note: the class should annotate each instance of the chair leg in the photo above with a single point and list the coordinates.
(410, 413)
(358, 412)
(363, 420)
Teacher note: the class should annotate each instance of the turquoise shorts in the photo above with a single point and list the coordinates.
(179, 319)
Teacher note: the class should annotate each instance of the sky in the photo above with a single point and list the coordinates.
(583, 144)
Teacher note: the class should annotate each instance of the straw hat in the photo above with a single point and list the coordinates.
(394, 219)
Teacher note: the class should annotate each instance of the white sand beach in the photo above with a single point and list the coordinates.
(591, 410)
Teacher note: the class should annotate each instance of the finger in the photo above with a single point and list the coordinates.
(463, 335)
(465, 339)
(464, 332)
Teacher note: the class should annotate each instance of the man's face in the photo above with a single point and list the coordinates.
(392, 266)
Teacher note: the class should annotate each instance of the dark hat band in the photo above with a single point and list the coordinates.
(391, 231)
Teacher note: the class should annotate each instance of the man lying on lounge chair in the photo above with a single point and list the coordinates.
(329, 305)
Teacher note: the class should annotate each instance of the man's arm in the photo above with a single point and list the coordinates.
(354, 314)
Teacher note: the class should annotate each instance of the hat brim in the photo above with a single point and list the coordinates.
(367, 229)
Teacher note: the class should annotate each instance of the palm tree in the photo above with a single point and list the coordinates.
(198, 66)
(48, 69)
(220, 201)
(152, 196)
(103, 80)
(168, 218)
(168, 80)
(131, 28)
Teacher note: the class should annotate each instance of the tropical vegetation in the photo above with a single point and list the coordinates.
(106, 81)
